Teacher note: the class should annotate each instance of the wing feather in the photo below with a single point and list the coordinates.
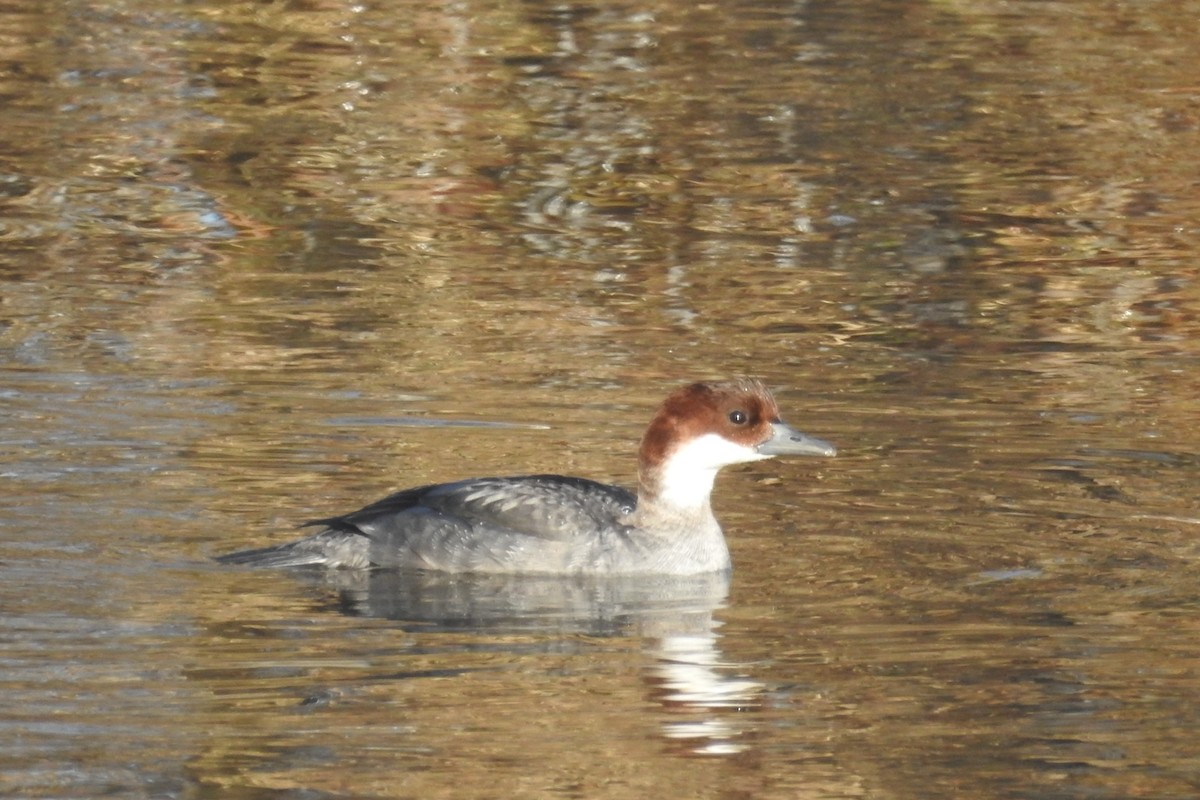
(543, 506)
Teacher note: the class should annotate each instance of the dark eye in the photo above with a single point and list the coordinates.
(738, 417)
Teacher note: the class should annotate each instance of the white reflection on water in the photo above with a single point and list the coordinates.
(694, 676)
(687, 673)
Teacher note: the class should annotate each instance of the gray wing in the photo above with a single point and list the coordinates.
(527, 523)
(530, 523)
(545, 506)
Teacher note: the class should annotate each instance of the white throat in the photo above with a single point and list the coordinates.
(685, 480)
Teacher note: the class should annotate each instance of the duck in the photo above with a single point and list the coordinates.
(548, 524)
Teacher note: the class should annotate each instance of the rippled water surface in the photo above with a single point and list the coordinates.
(261, 262)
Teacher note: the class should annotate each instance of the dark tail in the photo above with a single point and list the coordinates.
(281, 555)
(329, 548)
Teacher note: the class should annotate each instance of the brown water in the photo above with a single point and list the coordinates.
(265, 261)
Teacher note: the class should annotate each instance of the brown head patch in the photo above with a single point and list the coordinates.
(741, 411)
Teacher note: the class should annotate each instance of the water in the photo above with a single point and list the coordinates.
(262, 263)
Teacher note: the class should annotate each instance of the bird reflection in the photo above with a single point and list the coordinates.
(688, 677)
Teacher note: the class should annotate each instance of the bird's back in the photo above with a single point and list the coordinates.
(530, 523)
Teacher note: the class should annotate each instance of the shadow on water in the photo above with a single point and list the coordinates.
(673, 616)
(641, 605)
(649, 643)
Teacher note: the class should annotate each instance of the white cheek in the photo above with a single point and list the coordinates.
(688, 475)
(711, 451)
